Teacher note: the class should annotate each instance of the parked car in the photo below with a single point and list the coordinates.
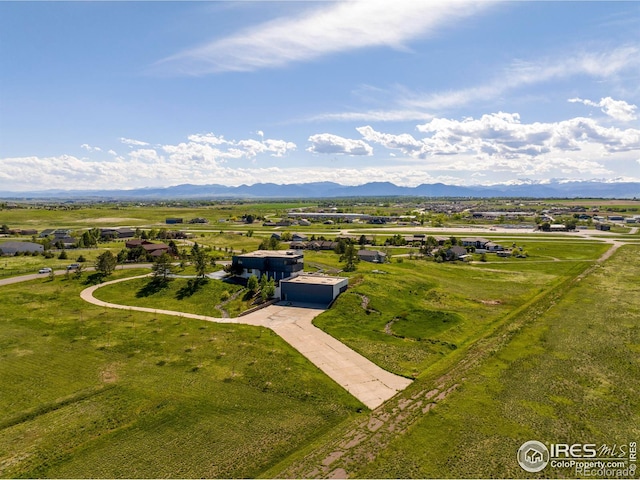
(73, 266)
(44, 270)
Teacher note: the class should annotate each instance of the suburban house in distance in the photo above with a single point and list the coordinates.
(153, 249)
(374, 256)
(113, 233)
(482, 245)
(276, 264)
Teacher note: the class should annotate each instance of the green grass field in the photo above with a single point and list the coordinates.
(181, 295)
(570, 376)
(417, 312)
(95, 392)
(89, 392)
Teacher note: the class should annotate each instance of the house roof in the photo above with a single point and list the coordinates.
(151, 247)
(371, 253)
(316, 280)
(137, 242)
(271, 253)
(458, 251)
(474, 239)
(13, 247)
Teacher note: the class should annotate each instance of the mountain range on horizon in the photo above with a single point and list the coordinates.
(573, 189)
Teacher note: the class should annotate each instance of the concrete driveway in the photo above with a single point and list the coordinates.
(362, 378)
(359, 376)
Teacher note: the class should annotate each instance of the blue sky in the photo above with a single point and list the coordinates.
(141, 94)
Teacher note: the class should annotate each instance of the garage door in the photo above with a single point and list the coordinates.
(295, 292)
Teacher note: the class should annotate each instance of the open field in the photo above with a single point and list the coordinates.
(410, 315)
(89, 392)
(563, 369)
(570, 376)
(514, 349)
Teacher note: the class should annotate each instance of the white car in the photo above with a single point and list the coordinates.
(44, 270)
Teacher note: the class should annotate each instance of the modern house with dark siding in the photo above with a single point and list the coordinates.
(276, 264)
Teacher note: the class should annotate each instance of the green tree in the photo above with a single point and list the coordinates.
(341, 246)
(350, 257)
(63, 255)
(173, 248)
(162, 268)
(267, 287)
(252, 284)
(200, 260)
(46, 243)
(88, 239)
(429, 244)
(79, 271)
(286, 236)
(271, 243)
(106, 263)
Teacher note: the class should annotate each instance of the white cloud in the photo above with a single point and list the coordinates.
(404, 142)
(397, 115)
(133, 143)
(601, 64)
(407, 105)
(208, 138)
(499, 142)
(145, 155)
(89, 148)
(211, 148)
(497, 145)
(277, 148)
(328, 143)
(331, 28)
(616, 109)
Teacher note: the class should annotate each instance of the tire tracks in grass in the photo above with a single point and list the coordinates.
(33, 413)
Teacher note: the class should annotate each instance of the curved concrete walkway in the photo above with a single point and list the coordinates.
(362, 378)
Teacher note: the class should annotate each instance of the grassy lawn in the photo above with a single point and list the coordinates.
(179, 294)
(570, 376)
(23, 265)
(407, 316)
(93, 392)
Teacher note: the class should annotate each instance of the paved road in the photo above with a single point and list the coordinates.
(362, 378)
